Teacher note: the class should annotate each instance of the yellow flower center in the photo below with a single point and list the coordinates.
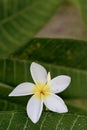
(41, 90)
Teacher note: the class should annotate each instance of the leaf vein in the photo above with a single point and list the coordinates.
(25, 124)
(14, 15)
(43, 121)
(74, 123)
(59, 122)
(10, 121)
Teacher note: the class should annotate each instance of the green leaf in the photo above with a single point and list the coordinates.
(13, 72)
(20, 121)
(65, 52)
(78, 103)
(9, 103)
(59, 57)
(19, 103)
(20, 20)
(82, 6)
(55, 54)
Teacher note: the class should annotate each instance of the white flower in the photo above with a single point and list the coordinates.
(43, 91)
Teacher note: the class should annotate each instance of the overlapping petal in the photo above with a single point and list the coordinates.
(38, 72)
(60, 83)
(48, 78)
(23, 89)
(34, 108)
(55, 103)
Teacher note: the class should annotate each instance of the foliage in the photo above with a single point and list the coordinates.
(19, 21)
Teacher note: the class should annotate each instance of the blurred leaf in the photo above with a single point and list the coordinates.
(20, 20)
(65, 52)
(78, 103)
(82, 6)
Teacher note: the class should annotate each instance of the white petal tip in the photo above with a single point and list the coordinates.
(64, 110)
(34, 109)
(38, 72)
(13, 94)
(10, 95)
(34, 63)
(67, 77)
(34, 121)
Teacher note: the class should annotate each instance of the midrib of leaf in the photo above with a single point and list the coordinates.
(29, 7)
(15, 34)
(14, 15)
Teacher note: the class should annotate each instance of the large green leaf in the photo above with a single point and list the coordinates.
(19, 20)
(19, 103)
(57, 53)
(59, 57)
(19, 121)
(15, 71)
(65, 52)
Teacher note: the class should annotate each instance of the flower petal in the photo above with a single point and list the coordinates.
(48, 78)
(22, 89)
(60, 83)
(39, 73)
(34, 108)
(55, 103)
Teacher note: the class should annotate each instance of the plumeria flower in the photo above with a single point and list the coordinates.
(44, 92)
